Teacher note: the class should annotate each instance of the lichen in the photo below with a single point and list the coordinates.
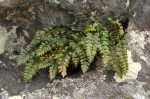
(15, 97)
(2, 1)
(3, 37)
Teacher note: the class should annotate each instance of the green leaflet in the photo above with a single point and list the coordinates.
(56, 47)
(90, 28)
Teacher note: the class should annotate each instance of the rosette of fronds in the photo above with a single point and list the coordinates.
(57, 47)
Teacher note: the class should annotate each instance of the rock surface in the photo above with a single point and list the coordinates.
(19, 19)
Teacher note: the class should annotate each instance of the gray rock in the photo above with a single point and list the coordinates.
(19, 19)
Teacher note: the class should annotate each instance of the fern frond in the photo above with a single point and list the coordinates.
(88, 46)
(104, 46)
(45, 63)
(63, 64)
(53, 70)
(115, 61)
(95, 46)
(75, 51)
(30, 70)
(25, 56)
(29, 53)
(63, 58)
(43, 48)
(37, 39)
(122, 54)
(117, 24)
(75, 59)
(84, 62)
(91, 45)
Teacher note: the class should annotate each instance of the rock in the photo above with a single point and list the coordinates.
(1, 0)
(19, 19)
(139, 12)
(3, 94)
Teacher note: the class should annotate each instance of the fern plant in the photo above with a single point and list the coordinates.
(56, 47)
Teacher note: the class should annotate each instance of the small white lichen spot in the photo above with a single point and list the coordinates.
(92, 15)
(15, 97)
(54, 97)
(134, 14)
(144, 58)
(71, 1)
(84, 1)
(134, 68)
(127, 3)
(26, 33)
(57, 2)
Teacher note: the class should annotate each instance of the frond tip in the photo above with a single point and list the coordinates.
(58, 47)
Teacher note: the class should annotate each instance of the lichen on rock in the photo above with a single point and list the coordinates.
(3, 37)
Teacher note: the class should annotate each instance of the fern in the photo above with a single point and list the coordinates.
(30, 70)
(114, 59)
(25, 56)
(53, 69)
(104, 44)
(118, 50)
(75, 54)
(63, 64)
(57, 47)
(122, 54)
(91, 42)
